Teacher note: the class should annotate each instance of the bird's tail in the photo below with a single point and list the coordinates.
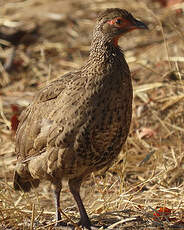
(23, 181)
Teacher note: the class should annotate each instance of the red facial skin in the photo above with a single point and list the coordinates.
(122, 23)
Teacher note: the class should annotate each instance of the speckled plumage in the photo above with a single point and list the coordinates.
(79, 122)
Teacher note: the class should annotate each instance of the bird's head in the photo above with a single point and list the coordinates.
(114, 22)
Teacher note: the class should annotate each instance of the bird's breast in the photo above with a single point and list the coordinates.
(108, 112)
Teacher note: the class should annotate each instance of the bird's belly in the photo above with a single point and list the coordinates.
(95, 150)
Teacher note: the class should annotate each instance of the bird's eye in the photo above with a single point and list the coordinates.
(118, 21)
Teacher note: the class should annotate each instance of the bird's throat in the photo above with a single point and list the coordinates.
(115, 40)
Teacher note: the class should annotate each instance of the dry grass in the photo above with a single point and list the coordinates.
(149, 172)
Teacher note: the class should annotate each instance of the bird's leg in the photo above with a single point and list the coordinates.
(57, 190)
(74, 185)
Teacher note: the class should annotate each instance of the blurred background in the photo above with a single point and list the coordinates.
(41, 40)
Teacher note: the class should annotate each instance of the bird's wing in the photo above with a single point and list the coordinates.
(41, 117)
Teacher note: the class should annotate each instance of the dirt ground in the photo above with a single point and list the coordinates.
(145, 187)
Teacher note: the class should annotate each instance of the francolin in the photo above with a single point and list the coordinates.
(78, 123)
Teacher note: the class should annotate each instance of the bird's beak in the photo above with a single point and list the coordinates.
(139, 25)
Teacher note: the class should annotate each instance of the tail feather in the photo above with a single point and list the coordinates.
(21, 184)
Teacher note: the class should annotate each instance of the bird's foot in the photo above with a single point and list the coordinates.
(83, 224)
(60, 224)
(86, 223)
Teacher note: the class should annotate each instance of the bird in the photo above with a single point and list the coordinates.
(78, 123)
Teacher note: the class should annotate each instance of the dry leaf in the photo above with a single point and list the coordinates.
(146, 132)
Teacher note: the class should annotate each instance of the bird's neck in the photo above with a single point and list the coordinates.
(105, 58)
(103, 48)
